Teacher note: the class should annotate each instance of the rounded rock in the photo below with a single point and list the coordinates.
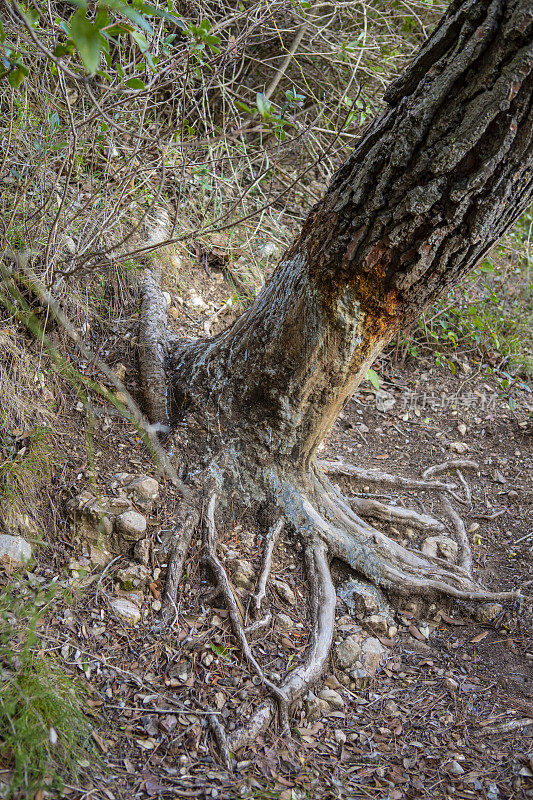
(15, 551)
(126, 610)
(131, 525)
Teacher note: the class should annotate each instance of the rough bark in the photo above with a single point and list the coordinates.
(432, 184)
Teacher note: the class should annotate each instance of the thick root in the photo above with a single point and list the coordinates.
(153, 348)
(377, 476)
(181, 540)
(329, 527)
(272, 538)
(388, 513)
(322, 605)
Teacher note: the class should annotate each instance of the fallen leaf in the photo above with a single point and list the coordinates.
(479, 637)
(413, 630)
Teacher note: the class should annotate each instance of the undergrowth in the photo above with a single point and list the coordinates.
(44, 734)
(487, 318)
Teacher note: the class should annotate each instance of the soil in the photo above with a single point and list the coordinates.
(426, 726)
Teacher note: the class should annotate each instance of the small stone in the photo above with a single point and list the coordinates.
(348, 652)
(142, 551)
(126, 610)
(488, 612)
(285, 592)
(458, 447)
(156, 605)
(207, 659)
(145, 491)
(498, 477)
(133, 576)
(512, 495)
(331, 682)
(379, 623)
(473, 527)
(360, 678)
(284, 622)
(131, 525)
(456, 768)
(315, 707)
(451, 684)
(243, 574)
(373, 652)
(461, 428)
(441, 546)
(15, 551)
(195, 301)
(359, 651)
(340, 736)
(332, 697)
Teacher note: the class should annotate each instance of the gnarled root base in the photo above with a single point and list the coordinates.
(328, 526)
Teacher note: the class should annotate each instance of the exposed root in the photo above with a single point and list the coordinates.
(329, 527)
(380, 559)
(447, 466)
(465, 553)
(259, 624)
(153, 344)
(271, 539)
(224, 585)
(221, 739)
(323, 601)
(181, 540)
(388, 513)
(377, 476)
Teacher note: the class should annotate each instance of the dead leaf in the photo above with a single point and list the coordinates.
(479, 637)
(413, 630)
(450, 620)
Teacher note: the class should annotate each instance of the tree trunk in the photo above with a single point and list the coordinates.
(433, 183)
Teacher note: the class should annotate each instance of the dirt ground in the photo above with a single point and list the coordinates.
(449, 714)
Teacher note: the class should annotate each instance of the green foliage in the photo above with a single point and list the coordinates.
(373, 377)
(44, 734)
(488, 314)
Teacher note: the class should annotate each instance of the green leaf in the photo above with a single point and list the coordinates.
(263, 104)
(2, 32)
(17, 76)
(243, 107)
(373, 377)
(86, 37)
(130, 13)
(63, 50)
(135, 83)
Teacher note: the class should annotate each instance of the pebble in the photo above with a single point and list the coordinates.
(340, 736)
(126, 610)
(15, 551)
(332, 697)
(131, 525)
(442, 546)
(285, 592)
(487, 612)
(456, 768)
(315, 707)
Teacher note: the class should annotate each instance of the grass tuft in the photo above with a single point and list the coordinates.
(44, 734)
